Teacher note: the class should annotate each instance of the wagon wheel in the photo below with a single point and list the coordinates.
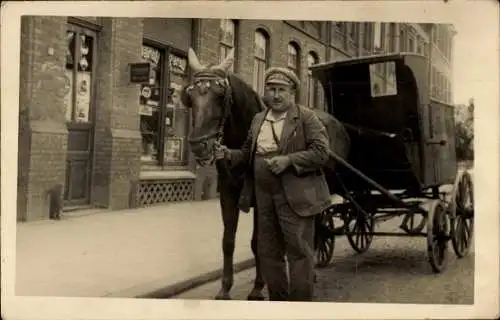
(324, 239)
(462, 213)
(359, 230)
(437, 235)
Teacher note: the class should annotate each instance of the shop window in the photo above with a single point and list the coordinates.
(261, 42)
(78, 75)
(312, 84)
(177, 116)
(164, 120)
(227, 39)
(150, 101)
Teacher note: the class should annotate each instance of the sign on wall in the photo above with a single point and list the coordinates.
(140, 72)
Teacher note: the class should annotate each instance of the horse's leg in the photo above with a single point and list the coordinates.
(258, 286)
(230, 216)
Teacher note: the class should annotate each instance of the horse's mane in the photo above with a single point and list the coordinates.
(245, 104)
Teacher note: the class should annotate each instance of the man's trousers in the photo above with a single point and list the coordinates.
(282, 232)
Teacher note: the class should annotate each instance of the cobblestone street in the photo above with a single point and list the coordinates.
(393, 270)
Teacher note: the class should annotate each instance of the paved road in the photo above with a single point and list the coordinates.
(394, 270)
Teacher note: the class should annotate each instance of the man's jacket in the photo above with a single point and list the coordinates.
(304, 139)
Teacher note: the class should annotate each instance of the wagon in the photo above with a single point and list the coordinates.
(400, 163)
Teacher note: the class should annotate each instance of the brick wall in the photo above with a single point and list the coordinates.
(117, 146)
(169, 31)
(43, 134)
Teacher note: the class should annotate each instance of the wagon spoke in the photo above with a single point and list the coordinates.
(436, 238)
(359, 231)
(325, 241)
(463, 205)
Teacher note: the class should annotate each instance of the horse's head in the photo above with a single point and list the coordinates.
(209, 99)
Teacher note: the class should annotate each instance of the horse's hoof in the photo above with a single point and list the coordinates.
(223, 296)
(256, 297)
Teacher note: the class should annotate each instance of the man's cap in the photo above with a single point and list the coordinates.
(284, 76)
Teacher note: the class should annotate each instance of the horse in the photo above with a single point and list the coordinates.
(223, 106)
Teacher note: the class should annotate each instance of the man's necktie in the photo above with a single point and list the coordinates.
(275, 136)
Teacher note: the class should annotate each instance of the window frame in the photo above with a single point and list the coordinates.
(312, 95)
(80, 29)
(165, 77)
(258, 83)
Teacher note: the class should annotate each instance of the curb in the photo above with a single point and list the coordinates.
(183, 286)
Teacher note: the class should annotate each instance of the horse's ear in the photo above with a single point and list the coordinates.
(194, 63)
(228, 61)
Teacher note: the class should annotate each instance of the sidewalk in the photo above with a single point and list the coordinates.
(129, 253)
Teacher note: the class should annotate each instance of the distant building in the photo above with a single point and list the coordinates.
(86, 130)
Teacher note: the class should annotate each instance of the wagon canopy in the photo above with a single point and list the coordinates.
(380, 96)
(358, 93)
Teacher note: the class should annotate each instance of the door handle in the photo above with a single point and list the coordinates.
(440, 142)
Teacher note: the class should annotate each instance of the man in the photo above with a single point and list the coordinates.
(285, 149)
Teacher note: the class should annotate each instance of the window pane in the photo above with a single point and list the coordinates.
(260, 45)
(149, 104)
(177, 116)
(310, 60)
(256, 75)
(377, 35)
(68, 74)
(292, 57)
(262, 67)
(84, 78)
(353, 31)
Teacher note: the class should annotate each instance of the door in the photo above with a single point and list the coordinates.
(79, 76)
(439, 144)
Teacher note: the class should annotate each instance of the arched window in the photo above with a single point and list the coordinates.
(227, 39)
(294, 58)
(312, 84)
(294, 63)
(261, 43)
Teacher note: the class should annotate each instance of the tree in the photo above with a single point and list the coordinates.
(464, 131)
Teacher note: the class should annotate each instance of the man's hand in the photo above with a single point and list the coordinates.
(278, 164)
(221, 151)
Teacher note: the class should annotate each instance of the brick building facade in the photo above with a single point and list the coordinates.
(92, 138)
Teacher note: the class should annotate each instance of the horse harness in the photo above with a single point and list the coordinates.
(218, 78)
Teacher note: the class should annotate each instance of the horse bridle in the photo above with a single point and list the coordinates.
(221, 80)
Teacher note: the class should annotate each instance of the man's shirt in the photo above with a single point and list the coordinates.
(266, 140)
